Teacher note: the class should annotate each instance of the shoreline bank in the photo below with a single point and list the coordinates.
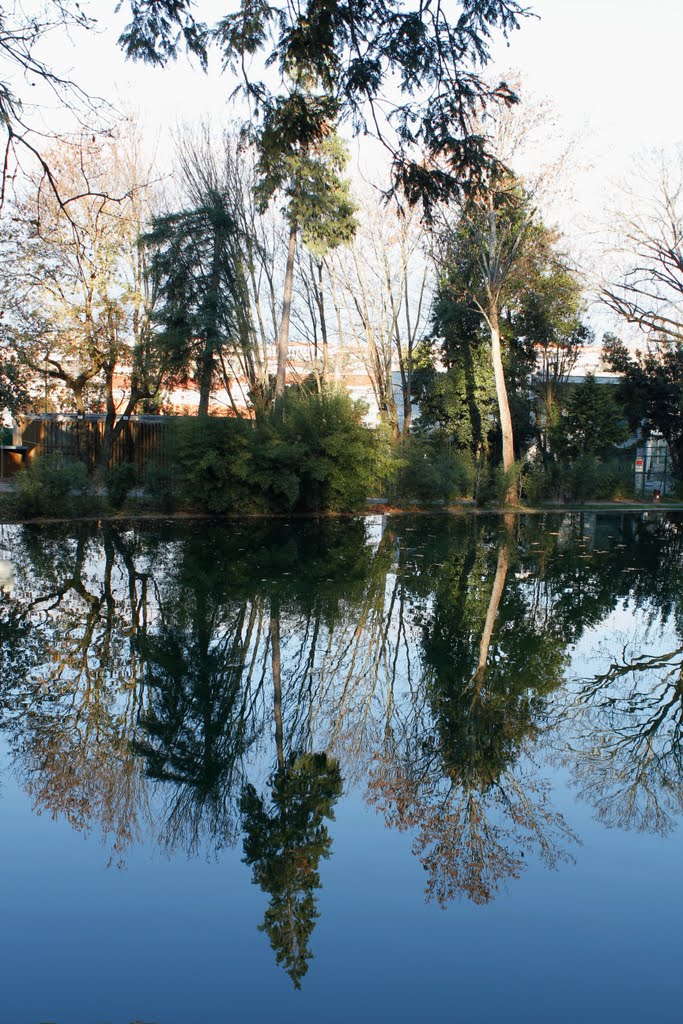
(378, 508)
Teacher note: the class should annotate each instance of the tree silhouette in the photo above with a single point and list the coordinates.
(196, 730)
(284, 844)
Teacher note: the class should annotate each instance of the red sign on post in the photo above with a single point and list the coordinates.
(639, 465)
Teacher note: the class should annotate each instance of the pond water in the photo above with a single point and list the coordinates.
(385, 769)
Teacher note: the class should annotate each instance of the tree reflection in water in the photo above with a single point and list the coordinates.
(623, 741)
(71, 687)
(206, 684)
(284, 845)
(467, 788)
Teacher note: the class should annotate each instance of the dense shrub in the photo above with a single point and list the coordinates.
(336, 455)
(214, 461)
(590, 425)
(492, 484)
(120, 480)
(586, 478)
(161, 484)
(543, 482)
(50, 487)
(317, 456)
(430, 470)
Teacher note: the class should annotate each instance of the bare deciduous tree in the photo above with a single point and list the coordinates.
(647, 287)
(81, 300)
(387, 282)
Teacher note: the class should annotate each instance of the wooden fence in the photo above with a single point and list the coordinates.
(79, 438)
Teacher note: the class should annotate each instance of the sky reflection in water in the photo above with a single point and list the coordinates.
(289, 746)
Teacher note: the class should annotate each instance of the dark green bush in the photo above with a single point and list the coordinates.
(586, 478)
(336, 455)
(316, 457)
(492, 483)
(161, 484)
(430, 470)
(544, 482)
(49, 486)
(213, 458)
(120, 480)
(615, 482)
(590, 425)
(276, 466)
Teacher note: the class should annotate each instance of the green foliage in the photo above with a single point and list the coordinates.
(284, 844)
(9, 507)
(550, 321)
(161, 484)
(586, 478)
(214, 459)
(498, 266)
(551, 311)
(319, 457)
(338, 457)
(430, 470)
(347, 54)
(388, 461)
(120, 480)
(197, 263)
(493, 283)
(48, 486)
(14, 377)
(583, 463)
(492, 484)
(651, 390)
(462, 401)
(591, 422)
(318, 198)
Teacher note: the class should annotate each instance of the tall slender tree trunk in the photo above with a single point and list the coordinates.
(320, 298)
(206, 368)
(405, 368)
(407, 393)
(503, 402)
(109, 419)
(387, 386)
(79, 398)
(339, 359)
(212, 342)
(283, 333)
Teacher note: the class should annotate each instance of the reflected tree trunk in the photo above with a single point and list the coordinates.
(277, 679)
(491, 614)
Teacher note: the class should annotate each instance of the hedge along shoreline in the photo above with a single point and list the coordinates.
(318, 458)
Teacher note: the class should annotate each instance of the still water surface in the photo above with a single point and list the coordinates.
(392, 769)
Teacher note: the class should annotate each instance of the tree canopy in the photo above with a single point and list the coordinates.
(353, 52)
(591, 422)
(651, 389)
(196, 256)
